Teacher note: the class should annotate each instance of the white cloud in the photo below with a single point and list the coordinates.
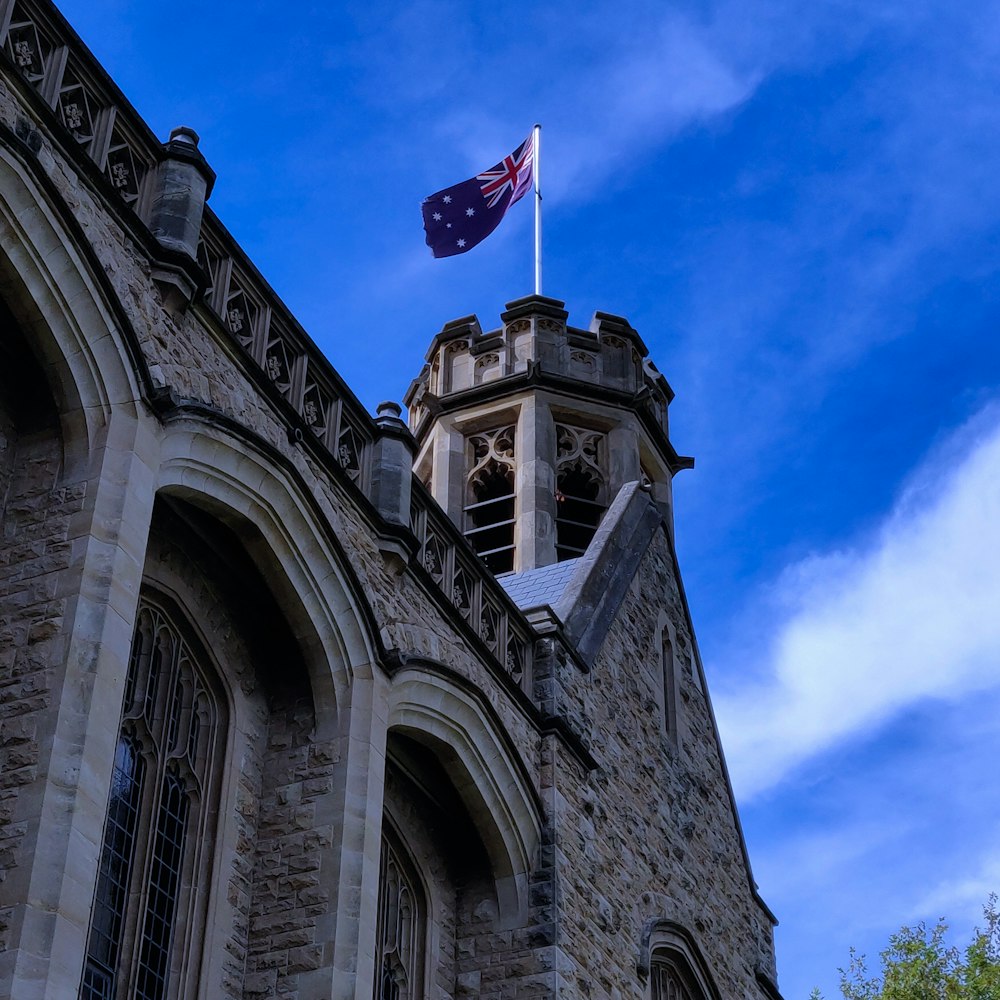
(862, 633)
(962, 893)
(609, 85)
(637, 98)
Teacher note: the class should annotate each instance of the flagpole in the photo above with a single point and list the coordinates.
(538, 211)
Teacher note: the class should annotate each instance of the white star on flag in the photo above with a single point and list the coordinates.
(447, 199)
(470, 212)
(461, 243)
(437, 216)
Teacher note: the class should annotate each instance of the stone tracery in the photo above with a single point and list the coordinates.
(489, 511)
(580, 482)
(401, 921)
(163, 772)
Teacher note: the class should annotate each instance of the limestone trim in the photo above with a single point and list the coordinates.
(56, 288)
(676, 944)
(361, 787)
(306, 567)
(582, 395)
(488, 776)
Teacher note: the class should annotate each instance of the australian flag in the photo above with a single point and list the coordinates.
(459, 217)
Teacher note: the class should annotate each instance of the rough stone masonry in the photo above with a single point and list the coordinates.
(300, 702)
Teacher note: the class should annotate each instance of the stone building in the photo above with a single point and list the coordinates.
(299, 702)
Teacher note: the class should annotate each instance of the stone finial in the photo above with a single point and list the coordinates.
(388, 408)
(183, 183)
(392, 464)
(184, 133)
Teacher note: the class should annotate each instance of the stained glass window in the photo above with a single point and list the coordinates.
(670, 980)
(169, 732)
(400, 953)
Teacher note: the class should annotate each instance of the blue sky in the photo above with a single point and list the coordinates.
(797, 207)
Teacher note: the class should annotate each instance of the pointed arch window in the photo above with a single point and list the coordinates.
(671, 979)
(669, 678)
(146, 916)
(580, 488)
(399, 959)
(489, 510)
(668, 984)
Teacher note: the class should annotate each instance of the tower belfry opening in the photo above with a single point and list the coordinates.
(489, 514)
(527, 433)
(580, 485)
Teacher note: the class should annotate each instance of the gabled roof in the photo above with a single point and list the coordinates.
(585, 593)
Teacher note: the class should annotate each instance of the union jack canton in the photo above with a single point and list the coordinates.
(459, 217)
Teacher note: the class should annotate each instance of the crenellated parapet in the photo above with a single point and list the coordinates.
(527, 433)
(536, 341)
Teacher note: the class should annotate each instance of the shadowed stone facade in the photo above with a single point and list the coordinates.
(296, 701)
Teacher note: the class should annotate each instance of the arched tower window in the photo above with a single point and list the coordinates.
(670, 979)
(580, 486)
(399, 959)
(489, 510)
(160, 821)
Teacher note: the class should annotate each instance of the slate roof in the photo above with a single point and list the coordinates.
(535, 587)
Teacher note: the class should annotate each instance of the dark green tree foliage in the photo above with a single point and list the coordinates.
(919, 965)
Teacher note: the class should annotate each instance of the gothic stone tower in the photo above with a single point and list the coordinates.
(548, 448)
(528, 432)
(281, 716)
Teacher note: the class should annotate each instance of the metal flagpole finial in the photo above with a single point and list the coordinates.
(537, 142)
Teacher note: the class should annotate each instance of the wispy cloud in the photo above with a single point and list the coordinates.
(864, 632)
(634, 99)
(966, 891)
(609, 83)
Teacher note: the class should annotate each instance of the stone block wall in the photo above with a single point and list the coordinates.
(36, 535)
(652, 833)
(292, 904)
(649, 834)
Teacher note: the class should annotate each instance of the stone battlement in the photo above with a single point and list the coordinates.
(535, 341)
